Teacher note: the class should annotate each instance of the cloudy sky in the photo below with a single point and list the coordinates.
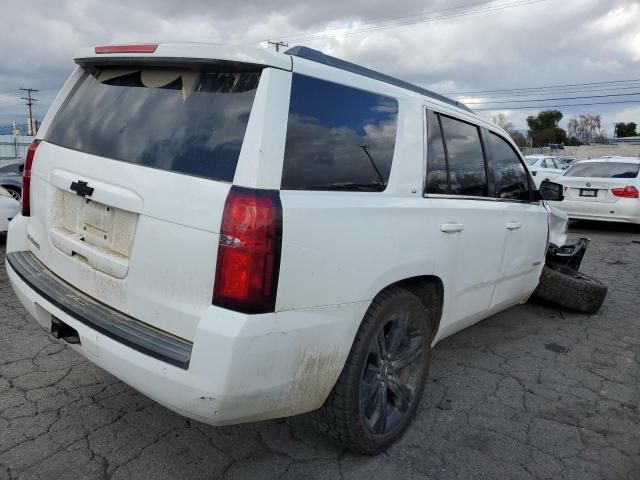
(448, 46)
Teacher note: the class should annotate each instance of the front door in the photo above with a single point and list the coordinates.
(525, 225)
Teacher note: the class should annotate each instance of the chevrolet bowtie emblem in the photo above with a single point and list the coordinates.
(81, 188)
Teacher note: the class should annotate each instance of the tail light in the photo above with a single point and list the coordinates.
(627, 192)
(249, 251)
(26, 179)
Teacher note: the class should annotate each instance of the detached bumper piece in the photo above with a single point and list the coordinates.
(98, 316)
(562, 283)
(570, 255)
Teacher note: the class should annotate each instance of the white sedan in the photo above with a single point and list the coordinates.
(602, 189)
(9, 208)
(544, 167)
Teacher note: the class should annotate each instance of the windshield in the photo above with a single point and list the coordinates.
(603, 170)
(190, 121)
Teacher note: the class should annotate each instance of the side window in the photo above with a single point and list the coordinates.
(437, 181)
(338, 137)
(465, 158)
(511, 179)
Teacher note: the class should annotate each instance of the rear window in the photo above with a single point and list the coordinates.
(338, 137)
(531, 161)
(603, 170)
(190, 121)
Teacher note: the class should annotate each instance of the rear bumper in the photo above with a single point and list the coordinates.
(96, 315)
(242, 367)
(624, 210)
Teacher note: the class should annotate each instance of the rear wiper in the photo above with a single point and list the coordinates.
(354, 186)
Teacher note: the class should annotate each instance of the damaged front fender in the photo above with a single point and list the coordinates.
(558, 226)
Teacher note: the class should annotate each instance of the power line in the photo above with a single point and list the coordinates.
(548, 86)
(428, 20)
(571, 90)
(537, 107)
(384, 26)
(556, 98)
(422, 14)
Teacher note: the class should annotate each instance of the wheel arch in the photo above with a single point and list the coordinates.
(430, 291)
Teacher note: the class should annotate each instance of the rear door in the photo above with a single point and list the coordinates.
(129, 183)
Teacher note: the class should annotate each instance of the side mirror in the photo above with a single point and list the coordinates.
(551, 191)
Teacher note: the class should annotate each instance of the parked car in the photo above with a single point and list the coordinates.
(11, 176)
(543, 167)
(566, 160)
(603, 189)
(9, 208)
(267, 234)
(13, 165)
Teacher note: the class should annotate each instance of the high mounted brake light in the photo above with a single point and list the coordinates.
(249, 248)
(26, 178)
(132, 48)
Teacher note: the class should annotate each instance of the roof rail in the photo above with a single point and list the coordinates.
(319, 57)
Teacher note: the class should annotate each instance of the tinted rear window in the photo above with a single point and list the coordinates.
(437, 177)
(603, 170)
(465, 158)
(338, 137)
(181, 120)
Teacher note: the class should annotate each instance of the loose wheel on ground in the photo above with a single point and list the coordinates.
(570, 288)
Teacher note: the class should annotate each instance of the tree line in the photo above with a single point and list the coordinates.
(544, 129)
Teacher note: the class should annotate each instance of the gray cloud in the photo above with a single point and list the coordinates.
(553, 42)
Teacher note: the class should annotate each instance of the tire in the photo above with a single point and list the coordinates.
(372, 382)
(15, 192)
(570, 288)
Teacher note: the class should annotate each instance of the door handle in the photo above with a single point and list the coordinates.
(451, 227)
(513, 225)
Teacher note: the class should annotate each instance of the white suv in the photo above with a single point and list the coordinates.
(243, 235)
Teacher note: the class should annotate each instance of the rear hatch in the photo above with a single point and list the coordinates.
(594, 181)
(129, 184)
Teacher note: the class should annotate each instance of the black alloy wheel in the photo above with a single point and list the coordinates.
(391, 373)
(380, 387)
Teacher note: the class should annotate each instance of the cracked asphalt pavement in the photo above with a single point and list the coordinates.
(535, 392)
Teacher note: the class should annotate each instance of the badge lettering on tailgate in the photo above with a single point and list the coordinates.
(33, 242)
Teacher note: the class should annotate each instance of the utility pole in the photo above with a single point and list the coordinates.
(277, 44)
(30, 101)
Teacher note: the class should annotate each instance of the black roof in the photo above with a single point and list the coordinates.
(319, 57)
